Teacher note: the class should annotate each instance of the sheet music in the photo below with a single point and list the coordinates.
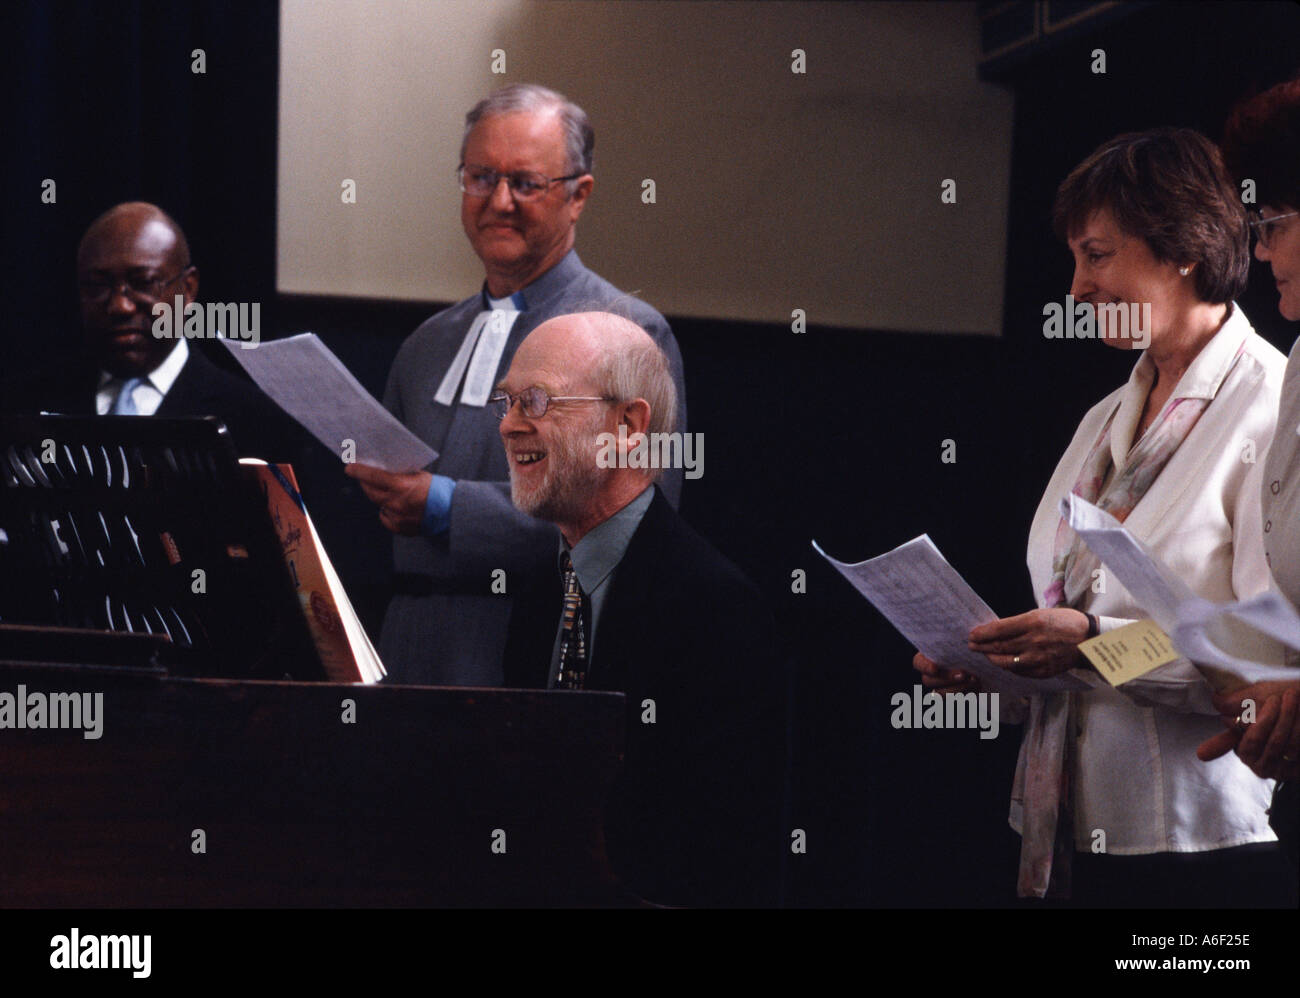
(308, 382)
(1149, 581)
(1242, 639)
(934, 608)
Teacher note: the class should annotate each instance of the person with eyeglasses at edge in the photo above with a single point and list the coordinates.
(525, 177)
(1262, 143)
(132, 257)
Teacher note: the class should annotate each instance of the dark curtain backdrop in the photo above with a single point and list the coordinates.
(101, 99)
(834, 435)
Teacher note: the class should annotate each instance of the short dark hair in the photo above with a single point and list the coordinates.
(1169, 187)
(1261, 142)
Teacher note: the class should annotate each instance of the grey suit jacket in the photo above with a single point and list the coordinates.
(445, 624)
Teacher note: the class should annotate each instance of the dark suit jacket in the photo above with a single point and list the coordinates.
(693, 818)
(256, 424)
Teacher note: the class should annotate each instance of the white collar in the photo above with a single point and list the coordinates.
(164, 375)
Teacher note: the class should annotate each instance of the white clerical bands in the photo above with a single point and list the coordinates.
(477, 359)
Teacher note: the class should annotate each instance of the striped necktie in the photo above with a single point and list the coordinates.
(573, 640)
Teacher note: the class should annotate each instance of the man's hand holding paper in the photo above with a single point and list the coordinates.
(400, 496)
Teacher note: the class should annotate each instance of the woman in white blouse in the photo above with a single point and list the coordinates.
(1107, 785)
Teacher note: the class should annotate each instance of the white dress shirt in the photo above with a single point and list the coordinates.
(148, 395)
(1136, 775)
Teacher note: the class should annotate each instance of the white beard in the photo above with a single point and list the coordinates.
(572, 476)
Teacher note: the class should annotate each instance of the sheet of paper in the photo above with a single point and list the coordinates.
(1129, 651)
(1232, 644)
(1239, 643)
(308, 382)
(934, 608)
(1149, 581)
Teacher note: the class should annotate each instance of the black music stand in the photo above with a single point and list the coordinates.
(143, 527)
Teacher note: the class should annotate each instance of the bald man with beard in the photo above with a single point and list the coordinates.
(653, 611)
(132, 257)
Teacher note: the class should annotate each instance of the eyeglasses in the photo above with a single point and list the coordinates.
(535, 401)
(525, 185)
(1264, 228)
(97, 289)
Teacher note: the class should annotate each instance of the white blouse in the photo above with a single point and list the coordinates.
(1281, 488)
(1136, 775)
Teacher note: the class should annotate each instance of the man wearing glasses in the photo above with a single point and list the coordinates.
(635, 601)
(131, 258)
(525, 176)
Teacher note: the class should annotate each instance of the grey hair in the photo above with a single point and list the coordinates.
(579, 136)
(640, 371)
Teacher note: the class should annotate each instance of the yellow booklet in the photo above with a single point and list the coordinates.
(1129, 651)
